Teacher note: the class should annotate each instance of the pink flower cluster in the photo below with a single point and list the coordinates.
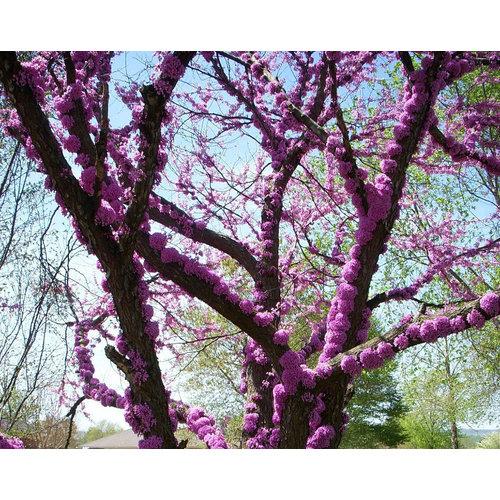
(170, 68)
(12, 443)
(204, 427)
(279, 401)
(87, 179)
(254, 353)
(138, 366)
(139, 416)
(281, 337)
(192, 267)
(350, 365)
(321, 438)
(264, 439)
(152, 442)
(490, 304)
(295, 372)
(250, 421)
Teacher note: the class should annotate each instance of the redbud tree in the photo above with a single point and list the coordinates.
(268, 189)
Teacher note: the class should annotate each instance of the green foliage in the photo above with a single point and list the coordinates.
(491, 442)
(425, 430)
(102, 429)
(233, 430)
(375, 411)
(210, 367)
(449, 383)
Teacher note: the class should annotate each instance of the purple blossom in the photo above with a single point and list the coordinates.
(170, 255)
(72, 144)
(260, 441)
(324, 370)
(308, 377)
(428, 331)
(458, 324)
(106, 215)
(152, 442)
(263, 318)
(279, 399)
(490, 303)
(347, 292)
(443, 326)
(350, 365)
(362, 335)
(401, 342)
(87, 180)
(157, 241)
(112, 191)
(476, 319)
(385, 350)
(321, 437)
(274, 438)
(370, 359)
(351, 270)
(413, 331)
(215, 440)
(12, 443)
(281, 337)
(250, 420)
(247, 306)
(152, 330)
(140, 418)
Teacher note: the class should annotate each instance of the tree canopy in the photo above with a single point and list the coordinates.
(296, 196)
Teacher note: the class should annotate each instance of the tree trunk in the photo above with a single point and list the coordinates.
(451, 386)
(454, 435)
(294, 429)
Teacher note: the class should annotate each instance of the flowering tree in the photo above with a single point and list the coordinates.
(217, 193)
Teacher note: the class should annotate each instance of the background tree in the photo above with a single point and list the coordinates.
(449, 385)
(375, 411)
(491, 442)
(35, 251)
(158, 202)
(101, 429)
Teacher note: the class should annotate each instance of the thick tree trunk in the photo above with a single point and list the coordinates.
(294, 429)
(123, 283)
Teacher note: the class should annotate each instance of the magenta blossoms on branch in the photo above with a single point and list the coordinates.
(247, 202)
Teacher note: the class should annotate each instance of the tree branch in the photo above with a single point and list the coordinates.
(204, 291)
(389, 337)
(171, 216)
(150, 130)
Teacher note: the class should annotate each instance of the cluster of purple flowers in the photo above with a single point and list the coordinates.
(12, 443)
(152, 442)
(139, 416)
(138, 366)
(264, 439)
(321, 438)
(204, 427)
(169, 67)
